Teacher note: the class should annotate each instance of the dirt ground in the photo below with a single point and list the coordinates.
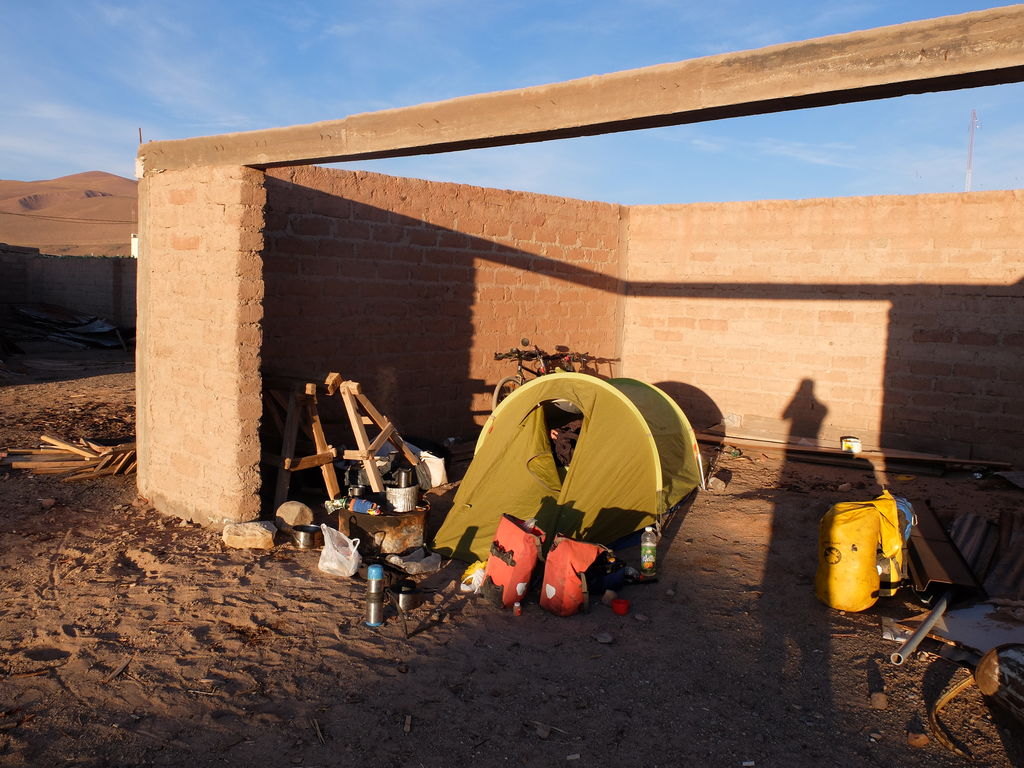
(129, 638)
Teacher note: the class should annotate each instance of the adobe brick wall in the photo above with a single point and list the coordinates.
(99, 286)
(410, 286)
(894, 318)
(14, 282)
(198, 382)
(899, 315)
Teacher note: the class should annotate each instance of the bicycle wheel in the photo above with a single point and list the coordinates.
(505, 387)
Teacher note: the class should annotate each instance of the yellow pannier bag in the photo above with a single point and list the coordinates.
(853, 538)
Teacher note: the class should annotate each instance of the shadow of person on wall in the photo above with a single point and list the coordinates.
(795, 627)
(805, 414)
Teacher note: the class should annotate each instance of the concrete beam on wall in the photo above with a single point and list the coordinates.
(947, 53)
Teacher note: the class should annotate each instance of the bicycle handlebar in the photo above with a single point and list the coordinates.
(530, 354)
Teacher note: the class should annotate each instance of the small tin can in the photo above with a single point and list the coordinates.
(517, 608)
(850, 444)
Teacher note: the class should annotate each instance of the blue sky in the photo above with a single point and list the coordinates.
(81, 79)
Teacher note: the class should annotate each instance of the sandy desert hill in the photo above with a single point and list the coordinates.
(85, 213)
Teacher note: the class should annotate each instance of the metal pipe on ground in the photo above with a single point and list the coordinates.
(915, 639)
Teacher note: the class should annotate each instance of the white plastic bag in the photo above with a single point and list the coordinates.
(340, 555)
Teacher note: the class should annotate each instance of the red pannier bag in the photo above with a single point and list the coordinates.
(514, 553)
(564, 591)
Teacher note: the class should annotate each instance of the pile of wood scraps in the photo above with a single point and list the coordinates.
(75, 461)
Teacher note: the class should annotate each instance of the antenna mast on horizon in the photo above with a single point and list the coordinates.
(970, 151)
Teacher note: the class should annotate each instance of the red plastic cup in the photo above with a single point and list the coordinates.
(620, 606)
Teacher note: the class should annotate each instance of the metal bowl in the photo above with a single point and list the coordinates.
(407, 595)
(308, 536)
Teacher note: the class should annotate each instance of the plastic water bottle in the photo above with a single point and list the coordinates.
(648, 552)
(374, 596)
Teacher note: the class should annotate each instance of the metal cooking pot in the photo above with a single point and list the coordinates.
(407, 595)
(405, 477)
(308, 536)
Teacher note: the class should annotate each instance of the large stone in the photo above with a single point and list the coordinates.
(293, 513)
(258, 534)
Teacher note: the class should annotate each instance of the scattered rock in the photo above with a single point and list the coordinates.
(875, 736)
(643, 618)
(46, 503)
(917, 739)
(604, 638)
(293, 513)
(716, 485)
(879, 700)
(844, 487)
(258, 534)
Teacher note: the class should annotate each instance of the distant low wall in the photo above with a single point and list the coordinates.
(94, 285)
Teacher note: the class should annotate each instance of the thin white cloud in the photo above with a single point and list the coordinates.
(829, 153)
(707, 145)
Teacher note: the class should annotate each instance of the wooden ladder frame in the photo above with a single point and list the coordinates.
(301, 411)
(361, 413)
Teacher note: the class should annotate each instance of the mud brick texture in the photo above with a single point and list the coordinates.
(897, 319)
(92, 285)
(198, 379)
(411, 286)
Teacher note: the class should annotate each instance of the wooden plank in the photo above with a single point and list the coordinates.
(385, 424)
(948, 53)
(39, 452)
(85, 475)
(309, 462)
(348, 397)
(378, 442)
(351, 386)
(58, 470)
(44, 465)
(106, 460)
(274, 410)
(282, 400)
(333, 382)
(122, 462)
(289, 438)
(313, 417)
(379, 418)
(37, 459)
(64, 445)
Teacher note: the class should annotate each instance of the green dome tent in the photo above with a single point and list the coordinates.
(635, 458)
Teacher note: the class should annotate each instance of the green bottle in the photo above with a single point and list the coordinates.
(648, 552)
